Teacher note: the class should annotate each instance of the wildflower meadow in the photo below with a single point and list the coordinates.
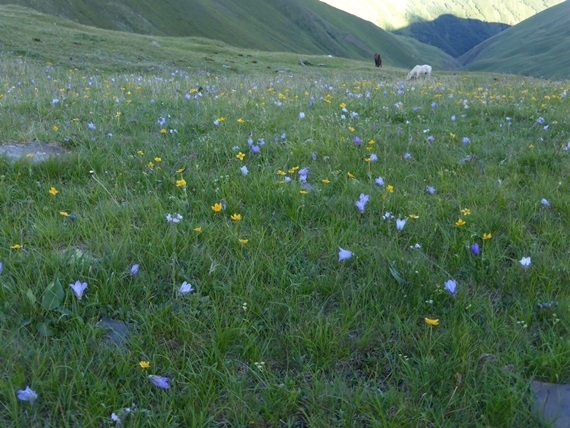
(313, 247)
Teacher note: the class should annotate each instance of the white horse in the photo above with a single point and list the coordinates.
(418, 70)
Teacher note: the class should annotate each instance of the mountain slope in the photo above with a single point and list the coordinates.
(302, 26)
(454, 27)
(538, 46)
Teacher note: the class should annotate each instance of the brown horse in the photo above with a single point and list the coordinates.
(377, 60)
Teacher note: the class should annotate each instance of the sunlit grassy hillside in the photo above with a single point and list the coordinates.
(544, 52)
(232, 239)
(396, 15)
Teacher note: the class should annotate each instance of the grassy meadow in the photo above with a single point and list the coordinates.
(325, 246)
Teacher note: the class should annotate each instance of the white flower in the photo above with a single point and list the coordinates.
(173, 218)
(525, 262)
(344, 254)
(185, 288)
(388, 215)
(301, 115)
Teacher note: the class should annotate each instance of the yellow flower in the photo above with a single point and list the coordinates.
(452, 135)
(240, 120)
(181, 170)
(198, 229)
(243, 241)
(351, 129)
(236, 217)
(53, 191)
(281, 173)
(460, 222)
(429, 321)
(64, 214)
(414, 216)
(221, 119)
(487, 236)
(390, 188)
(240, 156)
(181, 183)
(16, 247)
(371, 143)
(140, 152)
(55, 128)
(303, 192)
(531, 146)
(325, 181)
(465, 211)
(157, 159)
(293, 170)
(349, 175)
(150, 165)
(217, 207)
(342, 105)
(163, 131)
(144, 364)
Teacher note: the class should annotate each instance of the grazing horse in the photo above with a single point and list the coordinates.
(377, 60)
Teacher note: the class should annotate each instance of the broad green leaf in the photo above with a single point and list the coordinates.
(53, 295)
(44, 330)
(31, 296)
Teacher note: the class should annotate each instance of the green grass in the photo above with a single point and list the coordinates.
(278, 332)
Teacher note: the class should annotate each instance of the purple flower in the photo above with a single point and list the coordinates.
(354, 115)
(475, 249)
(373, 157)
(134, 269)
(453, 118)
(161, 121)
(303, 175)
(1, 267)
(301, 115)
(451, 287)
(407, 156)
(159, 381)
(244, 170)
(434, 105)
(344, 254)
(415, 109)
(430, 190)
(185, 288)
(430, 139)
(466, 140)
(540, 120)
(254, 149)
(27, 394)
(542, 201)
(357, 140)
(91, 126)
(361, 203)
(379, 181)
(400, 223)
(78, 288)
